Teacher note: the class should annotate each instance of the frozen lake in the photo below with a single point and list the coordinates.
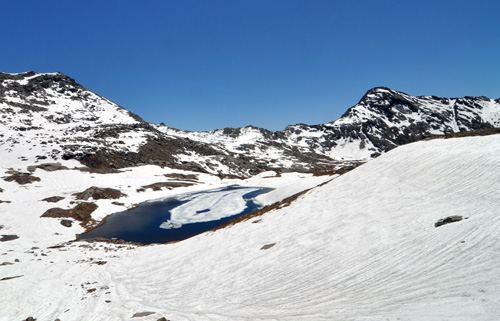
(179, 218)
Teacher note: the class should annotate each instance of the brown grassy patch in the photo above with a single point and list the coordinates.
(479, 132)
(284, 203)
(338, 171)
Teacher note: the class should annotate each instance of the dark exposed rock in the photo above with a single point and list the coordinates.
(168, 185)
(447, 220)
(142, 314)
(53, 199)
(182, 176)
(22, 178)
(82, 212)
(10, 277)
(112, 241)
(6, 238)
(67, 223)
(163, 319)
(98, 193)
(268, 246)
(49, 167)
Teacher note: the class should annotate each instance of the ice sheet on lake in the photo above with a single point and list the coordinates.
(205, 207)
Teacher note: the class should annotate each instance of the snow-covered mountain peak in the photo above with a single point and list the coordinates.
(58, 99)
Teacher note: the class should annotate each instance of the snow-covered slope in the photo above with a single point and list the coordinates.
(362, 247)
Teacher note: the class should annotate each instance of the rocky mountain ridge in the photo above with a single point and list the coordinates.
(50, 117)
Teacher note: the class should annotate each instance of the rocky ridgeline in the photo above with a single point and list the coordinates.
(58, 119)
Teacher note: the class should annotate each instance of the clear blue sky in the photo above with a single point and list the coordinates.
(201, 65)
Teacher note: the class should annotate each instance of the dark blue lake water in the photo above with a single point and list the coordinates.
(142, 224)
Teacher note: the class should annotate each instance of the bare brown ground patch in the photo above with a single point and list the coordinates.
(192, 177)
(168, 185)
(98, 193)
(479, 132)
(22, 178)
(81, 212)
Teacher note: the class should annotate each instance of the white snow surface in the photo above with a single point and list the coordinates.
(362, 247)
(220, 203)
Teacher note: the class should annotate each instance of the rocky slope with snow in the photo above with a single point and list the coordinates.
(50, 117)
(382, 120)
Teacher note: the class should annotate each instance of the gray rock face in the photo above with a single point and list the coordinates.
(105, 137)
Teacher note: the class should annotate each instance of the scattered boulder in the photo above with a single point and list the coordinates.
(163, 319)
(22, 178)
(4, 201)
(67, 223)
(53, 199)
(447, 220)
(6, 238)
(98, 193)
(268, 246)
(1, 190)
(49, 167)
(30, 319)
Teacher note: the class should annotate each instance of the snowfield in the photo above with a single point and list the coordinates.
(362, 247)
(219, 204)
